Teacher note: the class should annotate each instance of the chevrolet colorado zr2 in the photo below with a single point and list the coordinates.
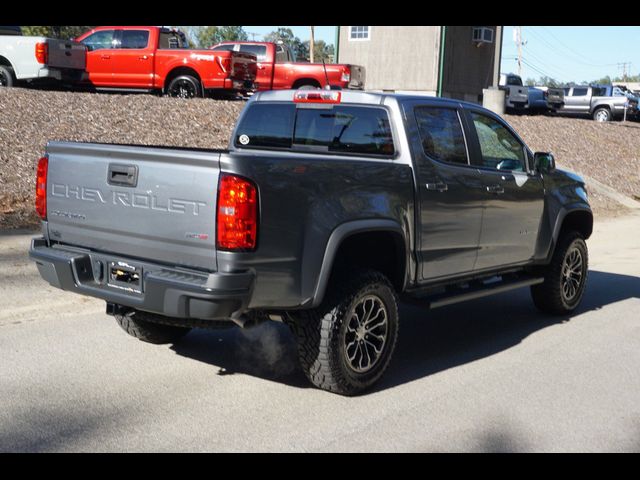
(327, 208)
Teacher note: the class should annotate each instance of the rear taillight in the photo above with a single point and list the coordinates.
(225, 63)
(237, 222)
(41, 187)
(42, 53)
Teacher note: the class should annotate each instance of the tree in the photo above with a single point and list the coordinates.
(56, 31)
(209, 36)
(286, 36)
(322, 51)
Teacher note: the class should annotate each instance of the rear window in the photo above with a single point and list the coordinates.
(342, 129)
(260, 51)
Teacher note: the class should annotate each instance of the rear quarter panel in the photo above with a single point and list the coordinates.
(303, 199)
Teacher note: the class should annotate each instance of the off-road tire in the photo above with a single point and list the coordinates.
(7, 77)
(548, 297)
(321, 333)
(141, 325)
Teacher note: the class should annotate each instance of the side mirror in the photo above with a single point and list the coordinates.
(544, 162)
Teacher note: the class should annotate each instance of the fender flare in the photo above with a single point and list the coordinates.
(336, 239)
(562, 214)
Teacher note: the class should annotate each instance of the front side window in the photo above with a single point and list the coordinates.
(441, 134)
(500, 149)
(134, 39)
(359, 33)
(100, 40)
(341, 129)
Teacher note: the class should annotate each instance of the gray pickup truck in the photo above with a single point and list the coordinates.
(326, 209)
(601, 102)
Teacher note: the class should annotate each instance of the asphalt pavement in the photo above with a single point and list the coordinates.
(487, 375)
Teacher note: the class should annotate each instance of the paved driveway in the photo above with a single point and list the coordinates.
(488, 375)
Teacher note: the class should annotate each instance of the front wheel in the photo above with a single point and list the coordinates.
(565, 278)
(346, 344)
(184, 86)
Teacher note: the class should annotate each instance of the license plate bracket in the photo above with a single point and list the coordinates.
(125, 276)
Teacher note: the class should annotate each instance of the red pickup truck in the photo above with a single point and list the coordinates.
(277, 69)
(158, 59)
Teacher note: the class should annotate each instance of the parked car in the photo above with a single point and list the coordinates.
(545, 99)
(38, 59)
(322, 226)
(516, 94)
(277, 68)
(158, 59)
(602, 102)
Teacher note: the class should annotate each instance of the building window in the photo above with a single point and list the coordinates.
(359, 33)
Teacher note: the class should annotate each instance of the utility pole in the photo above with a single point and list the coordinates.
(517, 37)
(626, 67)
(311, 45)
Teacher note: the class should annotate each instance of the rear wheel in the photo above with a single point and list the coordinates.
(565, 278)
(141, 325)
(184, 86)
(346, 344)
(602, 115)
(7, 78)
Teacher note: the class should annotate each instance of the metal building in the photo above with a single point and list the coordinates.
(449, 61)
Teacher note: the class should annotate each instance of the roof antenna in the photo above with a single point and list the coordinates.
(326, 75)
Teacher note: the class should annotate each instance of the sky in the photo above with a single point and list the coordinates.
(564, 53)
(573, 53)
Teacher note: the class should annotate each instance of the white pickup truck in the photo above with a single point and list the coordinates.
(39, 58)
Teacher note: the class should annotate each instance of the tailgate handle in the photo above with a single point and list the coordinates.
(123, 175)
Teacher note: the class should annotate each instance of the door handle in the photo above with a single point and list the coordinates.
(497, 189)
(437, 187)
(144, 57)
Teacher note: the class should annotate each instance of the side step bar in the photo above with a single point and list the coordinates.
(473, 292)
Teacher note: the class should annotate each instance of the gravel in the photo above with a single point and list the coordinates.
(30, 118)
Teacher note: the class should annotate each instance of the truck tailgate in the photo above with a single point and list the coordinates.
(156, 204)
(358, 77)
(67, 54)
(243, 66)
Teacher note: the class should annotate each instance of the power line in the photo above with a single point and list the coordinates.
(576, 54)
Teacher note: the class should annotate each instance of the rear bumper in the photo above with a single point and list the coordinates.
(166, 291)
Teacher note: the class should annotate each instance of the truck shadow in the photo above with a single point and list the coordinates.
(429, 342)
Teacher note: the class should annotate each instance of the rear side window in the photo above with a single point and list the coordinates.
(441, 134)
(580, 92)
(134, 39)
(341, 129)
